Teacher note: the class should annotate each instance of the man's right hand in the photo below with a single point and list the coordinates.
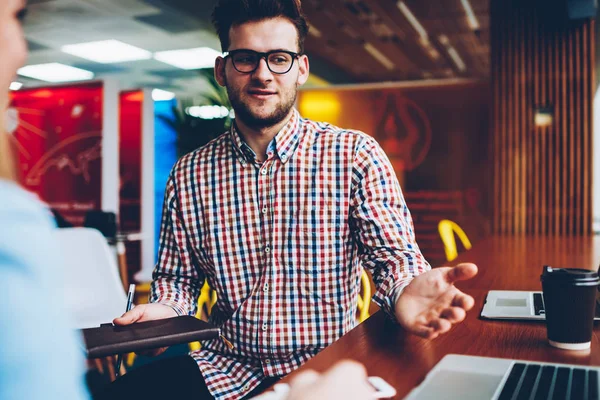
(146, 312)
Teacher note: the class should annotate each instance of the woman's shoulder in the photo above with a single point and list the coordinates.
(17, 203)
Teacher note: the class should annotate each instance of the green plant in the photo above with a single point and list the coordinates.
(194, 132)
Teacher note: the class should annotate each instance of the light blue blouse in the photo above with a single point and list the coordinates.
(40, 356)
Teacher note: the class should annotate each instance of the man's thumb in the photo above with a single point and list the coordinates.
(134, 315)
(461, 272)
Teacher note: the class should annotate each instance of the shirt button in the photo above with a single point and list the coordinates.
(267, 361)
(266, 287)
(267, 249)
(246, 388)
(263, 171)
(264, 210)
(283, 157)
(264, 327)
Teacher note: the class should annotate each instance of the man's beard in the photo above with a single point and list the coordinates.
(244, 113)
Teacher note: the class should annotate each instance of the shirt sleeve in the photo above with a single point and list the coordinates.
(382, 226)
(176, 279)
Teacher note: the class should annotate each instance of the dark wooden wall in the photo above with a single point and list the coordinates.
(436, 135)
(541, 175)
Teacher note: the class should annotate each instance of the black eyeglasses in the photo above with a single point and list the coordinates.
(246, 61)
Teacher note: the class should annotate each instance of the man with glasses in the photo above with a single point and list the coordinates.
(280, 215)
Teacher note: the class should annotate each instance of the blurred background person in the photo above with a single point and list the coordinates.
(40, 357)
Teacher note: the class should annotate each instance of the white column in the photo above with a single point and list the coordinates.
(147, 200)
(110, 147)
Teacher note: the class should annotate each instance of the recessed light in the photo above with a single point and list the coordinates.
(107, 51)
(55, 72)
(196, 58)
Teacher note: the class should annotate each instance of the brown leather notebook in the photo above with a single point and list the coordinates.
(108, 339)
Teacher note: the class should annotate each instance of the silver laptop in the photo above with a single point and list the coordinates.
(458, 377)
(513, 304)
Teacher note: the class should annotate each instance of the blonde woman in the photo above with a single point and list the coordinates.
(40, 357)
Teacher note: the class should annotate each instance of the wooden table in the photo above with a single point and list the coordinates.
(509, 263)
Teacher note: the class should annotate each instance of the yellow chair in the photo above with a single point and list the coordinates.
(207, 298)
(447, 229)
(364, 298)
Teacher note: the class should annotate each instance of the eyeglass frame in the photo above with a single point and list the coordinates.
(261, 55)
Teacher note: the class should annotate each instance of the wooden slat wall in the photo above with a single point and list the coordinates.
(542, 175)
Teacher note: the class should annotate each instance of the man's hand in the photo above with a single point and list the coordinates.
(345, 380)
(431, 303)
(146, 312)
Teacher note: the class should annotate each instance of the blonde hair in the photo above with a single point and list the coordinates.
(6, 165)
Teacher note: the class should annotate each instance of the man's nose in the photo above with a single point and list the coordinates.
(262, 71)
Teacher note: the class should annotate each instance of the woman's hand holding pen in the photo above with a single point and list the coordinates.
(146, 312)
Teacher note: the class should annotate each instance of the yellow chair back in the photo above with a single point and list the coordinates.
(447, 229)
(364, 297)
(207, 298)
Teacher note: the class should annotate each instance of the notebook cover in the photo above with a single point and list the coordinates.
(109, 340)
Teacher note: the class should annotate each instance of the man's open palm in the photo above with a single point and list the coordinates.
(431, 303)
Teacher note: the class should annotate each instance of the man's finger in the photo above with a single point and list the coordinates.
(453, 314)
(440, 325)
(461, 272)
(422, 331)
(463, 301)
(134, 315)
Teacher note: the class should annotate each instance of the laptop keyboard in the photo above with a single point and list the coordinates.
(538, 304)
(536, 381)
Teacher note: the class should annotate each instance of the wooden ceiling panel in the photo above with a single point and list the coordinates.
(345, 26)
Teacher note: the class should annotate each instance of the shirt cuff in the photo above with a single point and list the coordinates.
(179, 310)
(394, 294)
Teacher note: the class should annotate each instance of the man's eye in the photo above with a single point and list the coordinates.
(245, 60)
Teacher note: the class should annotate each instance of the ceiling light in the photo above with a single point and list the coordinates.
(312, 30)
(107, 51)
(444, 40)
(379, 56)
(200, 57)
(162, 95)
(456, 58)
(473, 22)
(433, 53)
(16, 86)
(412, 19)
(55, 72)
(460, 64)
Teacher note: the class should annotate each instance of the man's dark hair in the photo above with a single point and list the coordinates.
(228, 13)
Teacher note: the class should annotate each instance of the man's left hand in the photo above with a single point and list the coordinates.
(431, 304)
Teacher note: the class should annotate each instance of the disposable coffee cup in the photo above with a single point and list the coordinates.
(570, 304)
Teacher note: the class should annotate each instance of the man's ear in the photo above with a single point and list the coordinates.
(303, 69)
(220, 71)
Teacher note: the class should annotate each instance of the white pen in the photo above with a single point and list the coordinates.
(130, 294)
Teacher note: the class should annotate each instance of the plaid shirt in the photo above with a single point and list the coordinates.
(283, 243)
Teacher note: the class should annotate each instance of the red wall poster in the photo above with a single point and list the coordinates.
(56, 133)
